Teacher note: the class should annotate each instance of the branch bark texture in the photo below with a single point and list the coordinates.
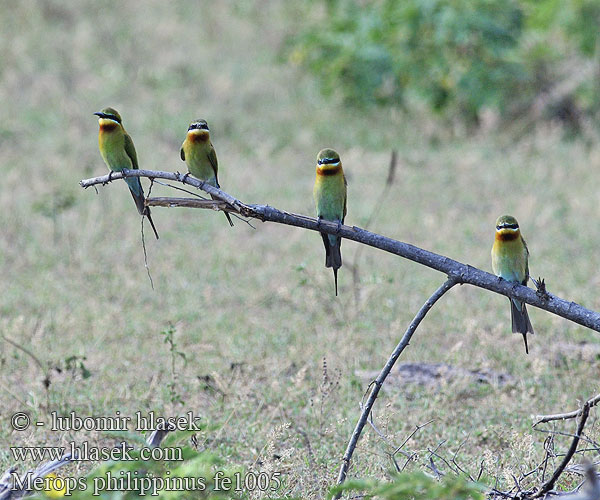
(461, 273)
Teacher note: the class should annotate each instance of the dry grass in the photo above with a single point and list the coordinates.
(253, 310)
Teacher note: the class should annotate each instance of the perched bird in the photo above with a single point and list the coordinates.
(510, 261)
(199, 154)
(118, 152)
(330, 200)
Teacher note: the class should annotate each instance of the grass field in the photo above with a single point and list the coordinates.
(253, 310)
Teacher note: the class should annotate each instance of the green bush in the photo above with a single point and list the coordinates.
(458, 56)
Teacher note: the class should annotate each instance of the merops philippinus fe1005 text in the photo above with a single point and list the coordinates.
(330, 200)
(118, 152)
(510, 261)
(199, 154)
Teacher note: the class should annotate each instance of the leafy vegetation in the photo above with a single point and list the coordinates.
(460, 57)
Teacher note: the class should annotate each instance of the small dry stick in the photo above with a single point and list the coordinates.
(541, 419)
(378, 383)
(548, 485)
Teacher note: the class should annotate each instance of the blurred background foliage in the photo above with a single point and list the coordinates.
(518, 58)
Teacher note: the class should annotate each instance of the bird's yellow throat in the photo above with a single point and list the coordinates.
(507, 234)
(107, 125)
(329, 169)
(198, 135)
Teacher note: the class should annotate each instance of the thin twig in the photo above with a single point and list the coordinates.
(25, 350)
(416, 429)
(566, 434)
(172, 186)
(376, 386)
(462, 273)
(144, 242)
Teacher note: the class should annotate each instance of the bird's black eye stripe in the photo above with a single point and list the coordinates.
(507, 226)
(328, 161)
(113, 117)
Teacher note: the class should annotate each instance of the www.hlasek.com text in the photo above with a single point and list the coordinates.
(84, 452)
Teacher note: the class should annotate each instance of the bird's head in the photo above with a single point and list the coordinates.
(109, 114)
(198, 130)
(328, 159)
(108, 118)
(507, 226)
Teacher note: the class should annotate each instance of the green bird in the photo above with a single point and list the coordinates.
(199, 154)
(118, 152)
(330, 201)
(510, 260)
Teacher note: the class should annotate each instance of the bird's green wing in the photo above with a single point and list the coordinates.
(526, 260)
(182, 153)
(212, 158)
(130, 150)
(345, 198)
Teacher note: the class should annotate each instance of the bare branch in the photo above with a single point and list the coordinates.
(460, 273)
(541, 419)
(378, 383)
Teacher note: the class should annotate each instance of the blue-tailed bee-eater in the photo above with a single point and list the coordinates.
(118, 152)
(199, 154)
(510, 258)
(330, 200)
